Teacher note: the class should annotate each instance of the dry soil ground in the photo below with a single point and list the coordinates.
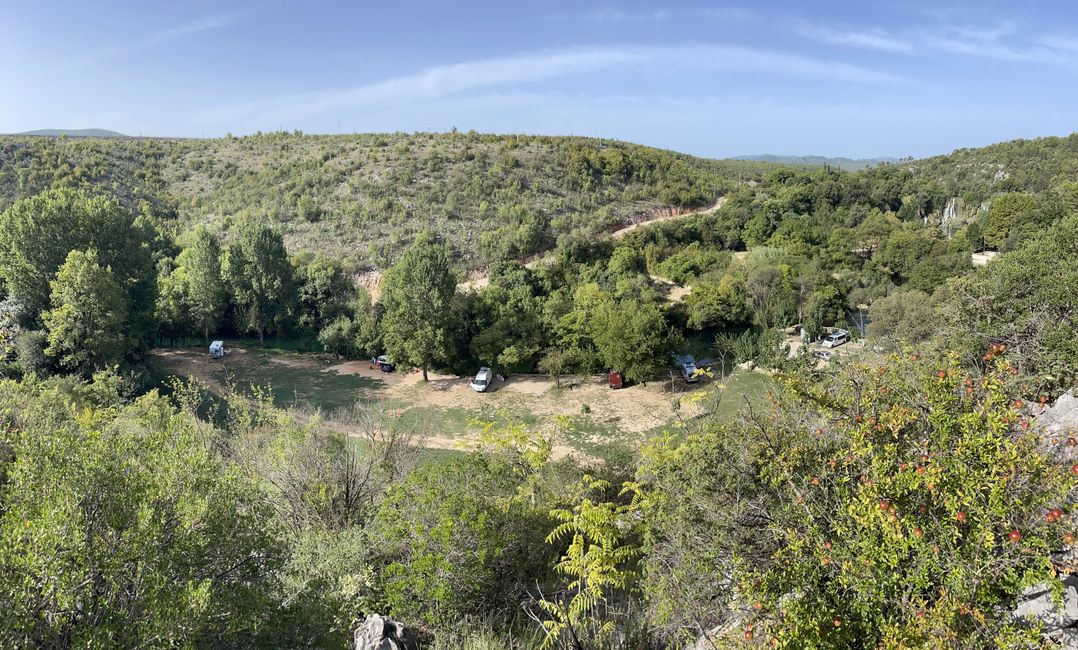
(445, 408)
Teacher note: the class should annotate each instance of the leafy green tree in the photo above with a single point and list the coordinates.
(766, 293)
(903, 316)
(632, 337)
(717, 305)
(324, 292)
(172, 310)
(556, 363)
(512, 332)
(339, 337)
(824, 307)
(1008, 211)
(38, 233)
(260, 275)
(207, 295)
(367, 320)
(417, 293)
(85, 324)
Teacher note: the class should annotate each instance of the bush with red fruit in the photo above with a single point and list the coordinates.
(827, 527)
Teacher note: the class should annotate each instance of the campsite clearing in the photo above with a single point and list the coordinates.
(446, 412)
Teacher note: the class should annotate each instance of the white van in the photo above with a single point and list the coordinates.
(835, 339)
(217, 350)
(687, 365)
(482, 380)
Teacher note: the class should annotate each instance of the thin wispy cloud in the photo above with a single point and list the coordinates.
(154, 39)
(612, 15)
(447, 80)
(1000, 42)
(869, 39)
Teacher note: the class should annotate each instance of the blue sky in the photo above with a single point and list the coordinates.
(714, 79)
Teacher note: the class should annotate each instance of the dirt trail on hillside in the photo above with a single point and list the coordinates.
(480, 279)
(621, 232)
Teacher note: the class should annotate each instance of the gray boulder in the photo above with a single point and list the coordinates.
(381, 633)
(1061, 417)
(1059, 620)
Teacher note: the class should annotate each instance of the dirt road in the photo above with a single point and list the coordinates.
(479, 279)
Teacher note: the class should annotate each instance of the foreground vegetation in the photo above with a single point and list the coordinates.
(901, 499)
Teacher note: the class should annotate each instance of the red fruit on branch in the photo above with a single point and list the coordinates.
(1053, 515)
(1018, 403)
(960, 516)
(885, 505)
(942, 374)
(1071, 441)
(837, 622)
(1068, 538)
(1074, 469)
(918, 533)
(1014, 536)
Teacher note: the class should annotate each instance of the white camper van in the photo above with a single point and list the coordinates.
(217, 350)
(482, 380)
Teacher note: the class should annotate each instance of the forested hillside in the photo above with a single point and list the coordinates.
(364, 197)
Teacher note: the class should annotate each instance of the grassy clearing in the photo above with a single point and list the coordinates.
(305, 380)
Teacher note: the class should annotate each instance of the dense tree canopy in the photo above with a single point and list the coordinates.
(38, 233)
(260, 275)
(88, 319)
(417, 293)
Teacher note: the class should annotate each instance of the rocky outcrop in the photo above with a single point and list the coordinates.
(1059, 620)
(381, 633)
(1061, 417)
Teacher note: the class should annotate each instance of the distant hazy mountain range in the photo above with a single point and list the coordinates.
(820, 161)
(76, 133)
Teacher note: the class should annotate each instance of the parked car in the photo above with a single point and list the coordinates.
(823, 354)
(687, 365)
(482, 380)
(383, 363)
(835, 339)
